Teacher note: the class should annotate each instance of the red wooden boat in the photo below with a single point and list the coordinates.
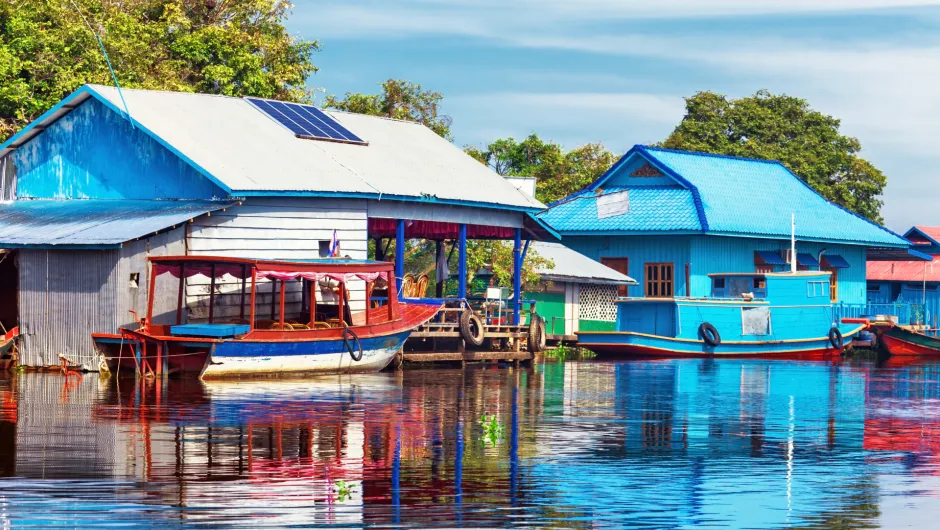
(904, 340)
(323, 338)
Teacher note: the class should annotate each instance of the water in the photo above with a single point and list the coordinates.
(660, 444)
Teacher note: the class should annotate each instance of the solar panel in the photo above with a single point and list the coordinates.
(305, 121)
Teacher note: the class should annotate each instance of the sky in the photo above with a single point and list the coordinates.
(616, 71)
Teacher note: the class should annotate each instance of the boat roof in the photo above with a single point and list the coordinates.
(320, 264)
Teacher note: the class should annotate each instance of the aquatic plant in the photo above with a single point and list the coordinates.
(343, 490)
(492, 430)
(564, 353)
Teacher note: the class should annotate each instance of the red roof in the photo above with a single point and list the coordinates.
(905, 271)
(933, 232)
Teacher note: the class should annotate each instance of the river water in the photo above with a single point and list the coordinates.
(660, 444)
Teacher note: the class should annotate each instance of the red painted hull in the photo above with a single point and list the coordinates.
(901, 347)
(633, 350)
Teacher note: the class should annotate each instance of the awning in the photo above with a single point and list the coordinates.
(768, 257)
(806, 260)
(834, 261)
(92, 223)
(895, 254)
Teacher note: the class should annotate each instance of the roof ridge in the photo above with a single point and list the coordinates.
(711, 155)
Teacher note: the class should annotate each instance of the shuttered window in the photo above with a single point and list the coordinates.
(621, 265)
(659, 280)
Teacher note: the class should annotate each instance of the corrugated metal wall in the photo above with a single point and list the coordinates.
(638, 250)
(275, 228)
(66, 295)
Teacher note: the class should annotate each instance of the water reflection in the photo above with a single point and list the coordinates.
(654, 443)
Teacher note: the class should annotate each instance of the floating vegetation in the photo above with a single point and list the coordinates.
(565, 353)
(492, 430)
(344, 491)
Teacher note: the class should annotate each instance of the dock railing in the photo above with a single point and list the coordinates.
(907, 314)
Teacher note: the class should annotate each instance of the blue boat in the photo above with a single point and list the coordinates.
(752, 314)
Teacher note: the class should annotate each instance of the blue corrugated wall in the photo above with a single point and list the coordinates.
(712, 254)
(883, 292)
(93, 153)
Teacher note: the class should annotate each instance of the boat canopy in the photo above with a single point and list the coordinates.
(314, 270)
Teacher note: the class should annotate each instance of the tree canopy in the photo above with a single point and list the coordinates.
(558, 173)
(231, 47)
(784, 128)
(401, 100)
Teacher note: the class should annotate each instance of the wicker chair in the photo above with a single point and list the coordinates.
(407, 285)
(421, 286)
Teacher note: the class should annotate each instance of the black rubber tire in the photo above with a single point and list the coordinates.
(709, 334)
(543, 336)
(835, 338)
(355, 353)
(535, 341)
(471, 328)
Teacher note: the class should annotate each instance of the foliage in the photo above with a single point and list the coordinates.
(343, 490)
(497, 256)
(401, 100)
(564, 353)
(492, 430)
(784, 128)
(231, 47)
(558, 173)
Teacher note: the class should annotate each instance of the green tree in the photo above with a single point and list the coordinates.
(557, 173)
(784, 128)
(401, 100)
(231, 47)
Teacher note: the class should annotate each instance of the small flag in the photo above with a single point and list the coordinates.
(334, 246)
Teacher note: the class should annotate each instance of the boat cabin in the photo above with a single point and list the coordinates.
(743, 307)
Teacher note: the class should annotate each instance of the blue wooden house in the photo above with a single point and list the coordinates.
(898, 287)
(669, 219)
(107, 178)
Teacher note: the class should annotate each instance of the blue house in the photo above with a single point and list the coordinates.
(670, 218)
(107, 178)
(896, 286)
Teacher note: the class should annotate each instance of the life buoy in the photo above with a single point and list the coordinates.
(355, 353)
(709, 334)
(471, 328)
(835, 338)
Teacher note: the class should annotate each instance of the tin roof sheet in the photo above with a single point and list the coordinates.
(904, 271)
(573, 266)
(650, 209)
(94, 223)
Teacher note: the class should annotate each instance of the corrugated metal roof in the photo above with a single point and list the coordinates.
(574, 266)
(904, 271)
(248, 153)
(651, 209)
(734, 196)
(92, 222)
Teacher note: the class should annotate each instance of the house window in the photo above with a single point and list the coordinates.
(324, 249)
(659, 280)
(834, 285)
(621, 265)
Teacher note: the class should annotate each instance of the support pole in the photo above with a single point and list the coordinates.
(517, 277)
(399, 254)
(211, 292)
(462, 262)
(251, 309)
(439, 247)
(241, 313)
(273, 298)
(313, 303)
(151, 288)
(283, 296)
(179, 296)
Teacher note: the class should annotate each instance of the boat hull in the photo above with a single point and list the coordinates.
(904, 342)
(641, 345)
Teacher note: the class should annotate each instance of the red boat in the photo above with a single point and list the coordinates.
(904, 340)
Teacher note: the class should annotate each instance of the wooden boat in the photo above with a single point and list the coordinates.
(9, 338)
(786, 315)
(325, 337)
(904, 340)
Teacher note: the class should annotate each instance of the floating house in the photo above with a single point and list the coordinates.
(576, 293)
(108, 178)
(671, 218)
(909, 282)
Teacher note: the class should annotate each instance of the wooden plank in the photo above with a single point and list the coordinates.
(467, 356)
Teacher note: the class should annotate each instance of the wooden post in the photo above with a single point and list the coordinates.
(392, 300)
(241, 313)
(283, 292)
(517, 277)
(439, 247)
(211, 292)
(273, 297)
(399, 254)
(313, 303)
(462, 262)
(179, 296)
(368, 300)
(159, 359)
(153, 284)
(341, 291)
(251, 309)
(688, 280)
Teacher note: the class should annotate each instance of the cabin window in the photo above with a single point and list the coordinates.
(621, 265)
(817, 289)
(718, 288)
(134, 282)
(324, 249)
(755, 321)
(659, 280)
(760, 287)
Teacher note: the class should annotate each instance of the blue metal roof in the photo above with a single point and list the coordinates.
(92, 223)
(651, 209)
(728, 195)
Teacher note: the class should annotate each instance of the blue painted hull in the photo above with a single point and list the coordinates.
(639, 344)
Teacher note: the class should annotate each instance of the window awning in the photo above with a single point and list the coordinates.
(806, 260)
(834, 261)
(768, 257)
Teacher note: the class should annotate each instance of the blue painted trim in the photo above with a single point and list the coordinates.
(399, 253)
(525, 249)
(545, 226)
(384, 196)
(46, 115)
(919, 254)
(696, 196)
(113, 246)
(462, 262)
(581, 233)
(517, 276)
(921, 232)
